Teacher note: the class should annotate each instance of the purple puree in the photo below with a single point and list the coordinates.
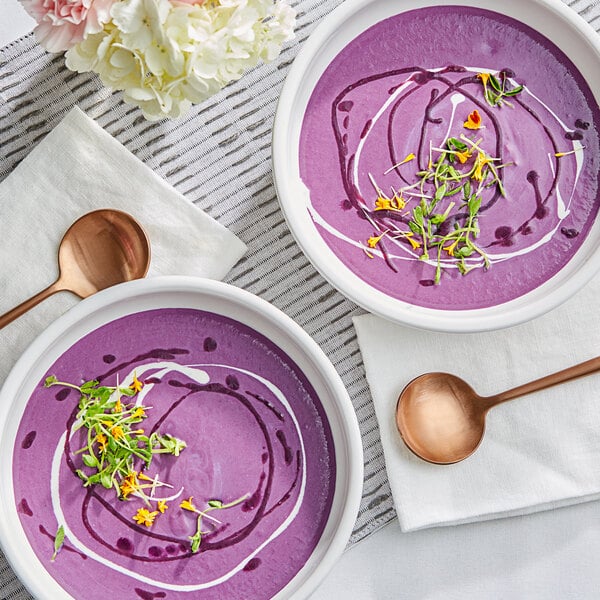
(241, 439)
(526, 225)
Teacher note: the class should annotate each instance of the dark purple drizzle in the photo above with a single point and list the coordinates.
(252, 564)
(210, 345)
(28, 440)
(62, 394)
(145, 595)
(24, 508)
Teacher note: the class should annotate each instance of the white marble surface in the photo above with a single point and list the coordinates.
(552, 555)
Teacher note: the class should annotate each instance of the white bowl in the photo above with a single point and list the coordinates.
(214, 297)
(551, 18)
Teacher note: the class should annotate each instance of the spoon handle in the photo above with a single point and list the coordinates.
(585, 368)
(16, 312)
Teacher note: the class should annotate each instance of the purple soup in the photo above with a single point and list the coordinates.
(452, 157)
(256, 434)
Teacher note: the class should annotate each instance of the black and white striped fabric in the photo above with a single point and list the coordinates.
(219, 156)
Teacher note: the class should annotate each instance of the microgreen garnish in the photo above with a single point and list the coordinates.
(496, 88)
(59, 540)
(115, 440)
(188, 505)
(561, 154)
(442, 225)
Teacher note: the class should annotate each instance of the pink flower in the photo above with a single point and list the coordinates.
(64, 23)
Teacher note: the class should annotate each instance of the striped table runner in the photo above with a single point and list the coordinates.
(218, 156)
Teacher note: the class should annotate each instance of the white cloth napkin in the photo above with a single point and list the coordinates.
(77, 168)
(540, 451)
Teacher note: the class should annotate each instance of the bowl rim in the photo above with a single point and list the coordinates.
(348, 444)
(549, 295)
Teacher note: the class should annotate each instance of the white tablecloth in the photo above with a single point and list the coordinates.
(552, 555)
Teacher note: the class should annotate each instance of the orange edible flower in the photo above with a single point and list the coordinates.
(129, 484)
(101, 439)
(137, 385)
(117, 432)
(144, 517)
(473, 120)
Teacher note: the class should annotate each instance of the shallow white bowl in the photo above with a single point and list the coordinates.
(551, 18)
(215, 297)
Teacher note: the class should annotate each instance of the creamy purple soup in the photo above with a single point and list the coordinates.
(254, 428)
(404, 87)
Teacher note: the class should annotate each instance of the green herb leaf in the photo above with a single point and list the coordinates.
(59, 539)
(89, 460)
(50, 381)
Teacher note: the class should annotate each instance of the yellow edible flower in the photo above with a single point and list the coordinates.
(162, 506)
(480, 162)
(383, 204)
(144, 517)
(485, 77)
(117, 432)
(413, 242)
(450, 249)
(118, 407)
(374, 240)
(464, 156)
(101, 439)
(129, 484)
(138, 413)
(137, 385)
(187, 505)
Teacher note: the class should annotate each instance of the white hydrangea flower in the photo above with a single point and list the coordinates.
(167, 55)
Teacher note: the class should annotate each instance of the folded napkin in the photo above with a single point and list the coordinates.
(539, 452)
(75, 169)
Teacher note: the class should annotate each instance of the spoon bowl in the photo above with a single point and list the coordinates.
(102, 248)
(442, 420)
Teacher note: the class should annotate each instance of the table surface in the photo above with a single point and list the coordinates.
(545, 555)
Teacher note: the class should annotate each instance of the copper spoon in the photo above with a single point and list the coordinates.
(100, 249)
(442, 420)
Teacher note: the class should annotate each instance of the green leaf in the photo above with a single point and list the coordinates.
(88, 385)
(196, 540)
(59, 539)
(495, 83)
(514, 91)
(456, 144)
(50, 380)
(89, 460)
(473, 205)
(440, 192)
(105, 480)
